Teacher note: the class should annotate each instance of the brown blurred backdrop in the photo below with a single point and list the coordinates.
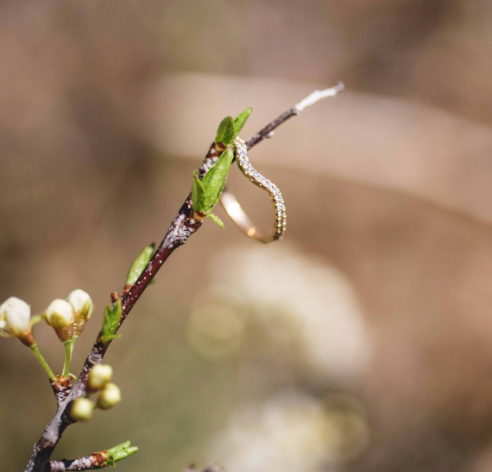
(361, 342)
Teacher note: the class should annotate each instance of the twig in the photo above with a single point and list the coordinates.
(94, 461)
(182, 227)
(316, 96)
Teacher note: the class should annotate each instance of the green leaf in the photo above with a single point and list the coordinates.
(112, 316)
(216, 219)
(215, 178)
(120, 452)
(199, 199)
(226, 132)
(241, 119)
(140, 263)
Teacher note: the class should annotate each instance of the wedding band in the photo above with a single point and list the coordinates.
(234, 210)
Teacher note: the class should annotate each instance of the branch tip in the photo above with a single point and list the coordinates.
(318, 95)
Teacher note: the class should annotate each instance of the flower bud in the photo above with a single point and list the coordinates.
(109, 397)
(15, 317)
(81, 409)
(99, 376)
(82, 307)
(60, 316)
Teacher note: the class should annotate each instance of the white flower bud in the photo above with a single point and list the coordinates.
(81, 409)
(109, 397)
(82, 307)
(15, 317)
(82, 304)
(99, 376)
(60, 316)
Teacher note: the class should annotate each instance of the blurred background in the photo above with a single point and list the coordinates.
(361, 342)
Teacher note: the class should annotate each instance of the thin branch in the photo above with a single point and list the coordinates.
(316, 96)
(183, 226)
(267, 131)
(94, 461)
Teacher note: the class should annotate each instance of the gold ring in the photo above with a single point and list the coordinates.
(234, 210)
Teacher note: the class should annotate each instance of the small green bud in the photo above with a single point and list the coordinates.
(140, 263)
(109, 397)
(60, 316)
(112, 317)
(120, 452)
(83, 309)
(81, 409)
(99, 377)
(15, 320)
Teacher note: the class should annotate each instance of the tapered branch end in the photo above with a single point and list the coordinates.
(318, 95)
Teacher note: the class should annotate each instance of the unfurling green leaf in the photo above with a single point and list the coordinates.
(120, 452)
(140, 263)
(216, 219)
(198, 195)
(226, 132)
(241, 119)
(215, 178)
(206, 193)
(112, 316)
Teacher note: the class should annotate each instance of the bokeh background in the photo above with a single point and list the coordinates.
(362, 341)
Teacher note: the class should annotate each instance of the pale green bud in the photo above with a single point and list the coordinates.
(81, 409)
(15, 317)
(60, 316)
(120, 452)
(82, 307)
(99, 377)
(109, 397)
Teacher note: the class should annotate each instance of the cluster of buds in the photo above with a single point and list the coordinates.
(68, 317)
(109, 394)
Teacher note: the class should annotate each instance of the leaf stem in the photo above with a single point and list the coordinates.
(40, 358)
